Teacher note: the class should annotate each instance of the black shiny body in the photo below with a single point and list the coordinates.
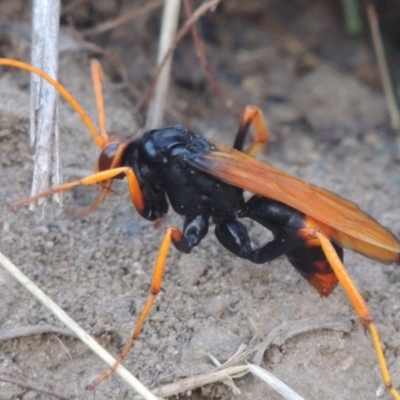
(164, 162)
(161, 161)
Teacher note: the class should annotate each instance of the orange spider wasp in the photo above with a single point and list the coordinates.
(204, 180)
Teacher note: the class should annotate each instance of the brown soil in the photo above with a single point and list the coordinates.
(329, 127)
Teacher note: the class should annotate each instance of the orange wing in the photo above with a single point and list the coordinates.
(340, 219)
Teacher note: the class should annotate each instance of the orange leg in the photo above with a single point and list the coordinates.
(172, 234)
(104, 178)
(360, 307)
(252, 116)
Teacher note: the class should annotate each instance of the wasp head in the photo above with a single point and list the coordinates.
(112, 155)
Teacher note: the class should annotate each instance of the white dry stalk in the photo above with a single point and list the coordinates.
(187, 384)
(222, 375)
(228, 370)
(227, 382)
(226, 373)
(169, 27)
(23, 331)
(75, 328)
(284, 390)
(44, 133)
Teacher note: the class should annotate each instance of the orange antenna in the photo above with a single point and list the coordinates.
(97, 77)
(63, 92)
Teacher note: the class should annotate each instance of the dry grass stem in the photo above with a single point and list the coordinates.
(123, 19)
(24, 331)
(225, 373)
(230, 369)
(169, 26)
(198, 13)
(200, 53)
(74, 327)
(284, 390)
(228, 381)
(285, 331)
(44, 133)
(194, 382)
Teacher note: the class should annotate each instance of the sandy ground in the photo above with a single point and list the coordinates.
(98, 269)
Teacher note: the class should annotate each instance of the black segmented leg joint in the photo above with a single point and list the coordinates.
(194, 230)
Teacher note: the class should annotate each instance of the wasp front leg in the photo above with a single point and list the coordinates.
(194, 231)
(172, 234)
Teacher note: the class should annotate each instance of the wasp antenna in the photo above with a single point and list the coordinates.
(97, 77)
(63, 92)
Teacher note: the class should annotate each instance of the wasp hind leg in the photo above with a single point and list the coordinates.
(252, 116)
(360, 306)
(234, 236)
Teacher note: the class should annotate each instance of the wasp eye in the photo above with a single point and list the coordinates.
(107, 157)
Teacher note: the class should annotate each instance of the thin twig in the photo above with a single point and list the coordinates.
(383, 68)
(30, 386)
(43, 108)
(169, 25)
(226, 373)
(71, 324)
(285, 331)
(24, 331)
(200, 53)
(64, 347)
(230, 369)
(123, 19)
(116, 62)
(228, 382)
(198, 13)
(194, 382)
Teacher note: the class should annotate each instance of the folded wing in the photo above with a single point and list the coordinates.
(342, 220)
